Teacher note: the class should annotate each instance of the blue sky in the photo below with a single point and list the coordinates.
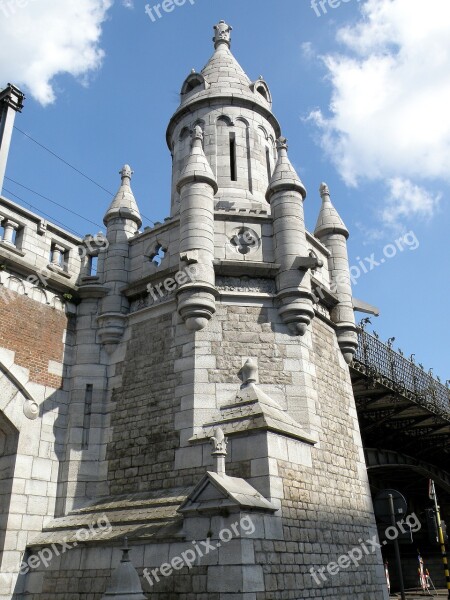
(361, 92)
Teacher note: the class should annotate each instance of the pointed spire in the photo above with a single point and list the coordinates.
(284, 176)
(223, 77)
(222, 35)
(197, 168)
(329, 220)
(125, 582)
(124, 204)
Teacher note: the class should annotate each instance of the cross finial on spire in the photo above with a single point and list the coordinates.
(222, 34)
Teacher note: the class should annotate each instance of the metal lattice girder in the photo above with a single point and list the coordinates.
(380, 364)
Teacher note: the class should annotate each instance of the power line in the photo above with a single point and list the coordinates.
(64, 161)
(74, 168)
(53, 202)
(42, 212)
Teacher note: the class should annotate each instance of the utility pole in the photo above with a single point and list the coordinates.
(433, 496)
(11, 101)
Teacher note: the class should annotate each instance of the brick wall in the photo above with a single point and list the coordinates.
(35, 332)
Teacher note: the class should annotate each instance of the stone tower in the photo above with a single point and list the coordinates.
(211, 417)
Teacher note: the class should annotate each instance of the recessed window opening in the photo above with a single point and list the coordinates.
(233, 169)
(269, 169)
(263, 92)
(93, 263)
(87, 415)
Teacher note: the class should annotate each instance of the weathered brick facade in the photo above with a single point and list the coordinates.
(36, 333)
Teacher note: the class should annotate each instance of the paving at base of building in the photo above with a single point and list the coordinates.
(416, 594)
(192, 394)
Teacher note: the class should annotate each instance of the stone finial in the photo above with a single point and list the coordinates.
(284, 177)
(249, 372)
(324, 190)
(125, 551)
(219, 444)
(197, 134)
(126, 172)
(222, 34)
(282, 144)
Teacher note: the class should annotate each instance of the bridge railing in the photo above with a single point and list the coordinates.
(379, 362)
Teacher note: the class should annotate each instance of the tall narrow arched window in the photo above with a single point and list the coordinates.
(233, 165)
(269, 167)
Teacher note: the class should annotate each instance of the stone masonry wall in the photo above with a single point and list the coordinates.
(144, 439)
(326, 509)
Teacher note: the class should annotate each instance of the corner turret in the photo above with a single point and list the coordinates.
(235, 114)
(122, 220)
(333, 234)
(197, 187)
(285, 194)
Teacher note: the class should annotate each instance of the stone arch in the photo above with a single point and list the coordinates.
(58, 303)
(381, 459)
(16, 285)
(193, 82)
(225, 119)
(39, 295)
(184, 134)
(234, 166)
(260, 87)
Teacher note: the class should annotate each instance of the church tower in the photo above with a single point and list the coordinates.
(225, 444)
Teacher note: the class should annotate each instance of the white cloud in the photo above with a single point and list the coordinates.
(45, 38)
(408, 200)
(391, 96)
(128, 3)
(307, 50)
